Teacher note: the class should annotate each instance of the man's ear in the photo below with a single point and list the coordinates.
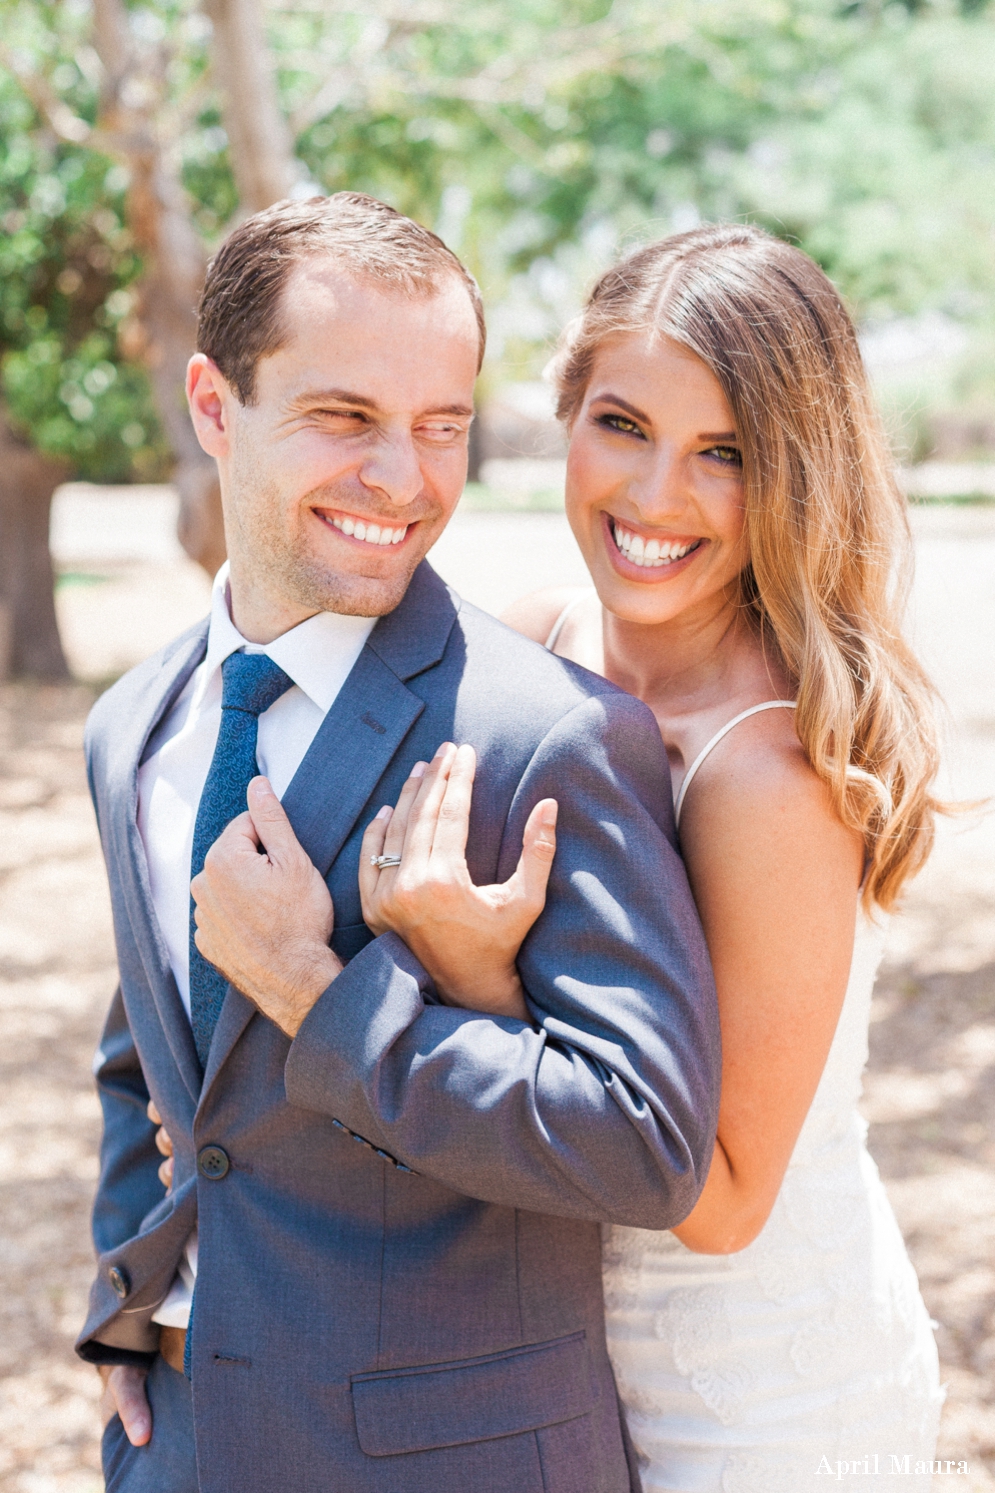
(209, 398)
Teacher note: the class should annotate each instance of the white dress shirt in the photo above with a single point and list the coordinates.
(318, 655)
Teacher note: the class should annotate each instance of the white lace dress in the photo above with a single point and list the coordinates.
(741, 1373)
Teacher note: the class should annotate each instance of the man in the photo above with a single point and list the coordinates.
(390, 1205)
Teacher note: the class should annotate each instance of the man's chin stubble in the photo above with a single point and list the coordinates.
(318, 588)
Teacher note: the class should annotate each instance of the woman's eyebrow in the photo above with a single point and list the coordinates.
(623, 404)
(720, 438)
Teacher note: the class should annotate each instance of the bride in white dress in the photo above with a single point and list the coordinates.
(732, 494)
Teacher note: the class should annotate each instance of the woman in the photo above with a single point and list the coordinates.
(733, 497)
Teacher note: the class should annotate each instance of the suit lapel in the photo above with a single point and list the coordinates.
(371, 716)
(147, 710)
(369, 720)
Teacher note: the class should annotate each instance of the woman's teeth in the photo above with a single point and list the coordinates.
(650, 552)
(369, 533)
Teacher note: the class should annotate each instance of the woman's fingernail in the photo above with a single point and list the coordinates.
(549, 813)
(419, 770)
(385, 812)
(444, 748)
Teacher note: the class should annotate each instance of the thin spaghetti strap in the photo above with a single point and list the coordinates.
(557, 627)
(753, 710)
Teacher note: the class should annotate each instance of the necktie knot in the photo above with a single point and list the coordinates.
(252, 682)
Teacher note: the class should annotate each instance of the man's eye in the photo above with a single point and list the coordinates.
(730, 456)
(620, 423)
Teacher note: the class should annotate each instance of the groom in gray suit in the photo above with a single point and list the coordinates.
(377, 1269)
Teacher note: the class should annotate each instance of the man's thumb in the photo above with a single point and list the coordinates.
(270, 821)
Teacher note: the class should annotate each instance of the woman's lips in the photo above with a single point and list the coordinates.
(649, 559)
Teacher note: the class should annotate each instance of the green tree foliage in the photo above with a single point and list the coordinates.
(538, 136)
(65, 268)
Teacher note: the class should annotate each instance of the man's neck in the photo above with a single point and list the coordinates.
(259, 616)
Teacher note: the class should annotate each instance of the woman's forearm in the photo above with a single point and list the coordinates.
(730, 1212)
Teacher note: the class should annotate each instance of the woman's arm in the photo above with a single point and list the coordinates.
(775, 876)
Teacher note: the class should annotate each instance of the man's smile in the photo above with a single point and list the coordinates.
(366, 530)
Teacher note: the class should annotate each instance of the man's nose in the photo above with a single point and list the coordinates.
(394, 470)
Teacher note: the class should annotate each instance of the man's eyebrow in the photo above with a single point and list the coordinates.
(312, 397)
(333, 396)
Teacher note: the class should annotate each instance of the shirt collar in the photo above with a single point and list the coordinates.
(317, 654)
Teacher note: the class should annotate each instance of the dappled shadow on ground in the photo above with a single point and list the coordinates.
(930, 1097)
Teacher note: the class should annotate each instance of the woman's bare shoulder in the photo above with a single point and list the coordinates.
(535, 614)
(758, 786)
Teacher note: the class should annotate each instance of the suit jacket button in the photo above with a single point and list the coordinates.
(212, 1163)
(120, 1283)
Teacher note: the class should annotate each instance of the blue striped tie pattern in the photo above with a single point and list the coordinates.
(251, 683)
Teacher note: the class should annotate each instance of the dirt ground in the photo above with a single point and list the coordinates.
(930, 1091)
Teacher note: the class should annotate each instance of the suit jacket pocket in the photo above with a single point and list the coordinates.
(348, 940)
(473, 1399)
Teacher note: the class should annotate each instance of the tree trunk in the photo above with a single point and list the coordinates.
(29, 632)
(262, 150)
(159, 216)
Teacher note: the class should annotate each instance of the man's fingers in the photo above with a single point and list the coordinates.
(153, 1113)
(124, 1392)
(163, 1143)
(538, 850)
(166, 1173)
(453, 822)
(269, 819)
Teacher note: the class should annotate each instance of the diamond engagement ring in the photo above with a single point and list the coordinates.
(383, 861)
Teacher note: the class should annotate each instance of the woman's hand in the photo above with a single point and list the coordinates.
(467, 937)
(164, 1145)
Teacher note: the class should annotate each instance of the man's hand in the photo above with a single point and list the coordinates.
(265, 920)
(124, 1395)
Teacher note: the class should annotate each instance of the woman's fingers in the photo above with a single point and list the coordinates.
(531, 875)
(369, 874)
(394, 838)
(419, 834)
(453, 818)
(166, 1173)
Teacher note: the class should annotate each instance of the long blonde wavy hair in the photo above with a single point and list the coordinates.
(827, 527)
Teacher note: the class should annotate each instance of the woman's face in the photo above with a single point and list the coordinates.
(654, 480)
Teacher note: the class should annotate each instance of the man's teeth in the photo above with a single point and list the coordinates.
(369, 533)
(650, 552)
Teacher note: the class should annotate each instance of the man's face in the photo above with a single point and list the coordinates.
(345, 469)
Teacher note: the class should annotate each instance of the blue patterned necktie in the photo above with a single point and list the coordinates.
(251, 682)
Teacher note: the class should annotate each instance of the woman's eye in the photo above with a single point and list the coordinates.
(620, 423)
(730, 456)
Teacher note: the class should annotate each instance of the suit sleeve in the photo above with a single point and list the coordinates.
(605, 1109)
(129, 1186)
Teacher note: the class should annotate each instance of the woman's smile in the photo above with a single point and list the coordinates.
(658, 554)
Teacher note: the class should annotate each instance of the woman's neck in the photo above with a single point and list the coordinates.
(702, 660)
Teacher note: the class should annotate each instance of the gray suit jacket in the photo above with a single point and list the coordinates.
(399, 1272)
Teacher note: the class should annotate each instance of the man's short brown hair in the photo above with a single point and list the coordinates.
(240, 320)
